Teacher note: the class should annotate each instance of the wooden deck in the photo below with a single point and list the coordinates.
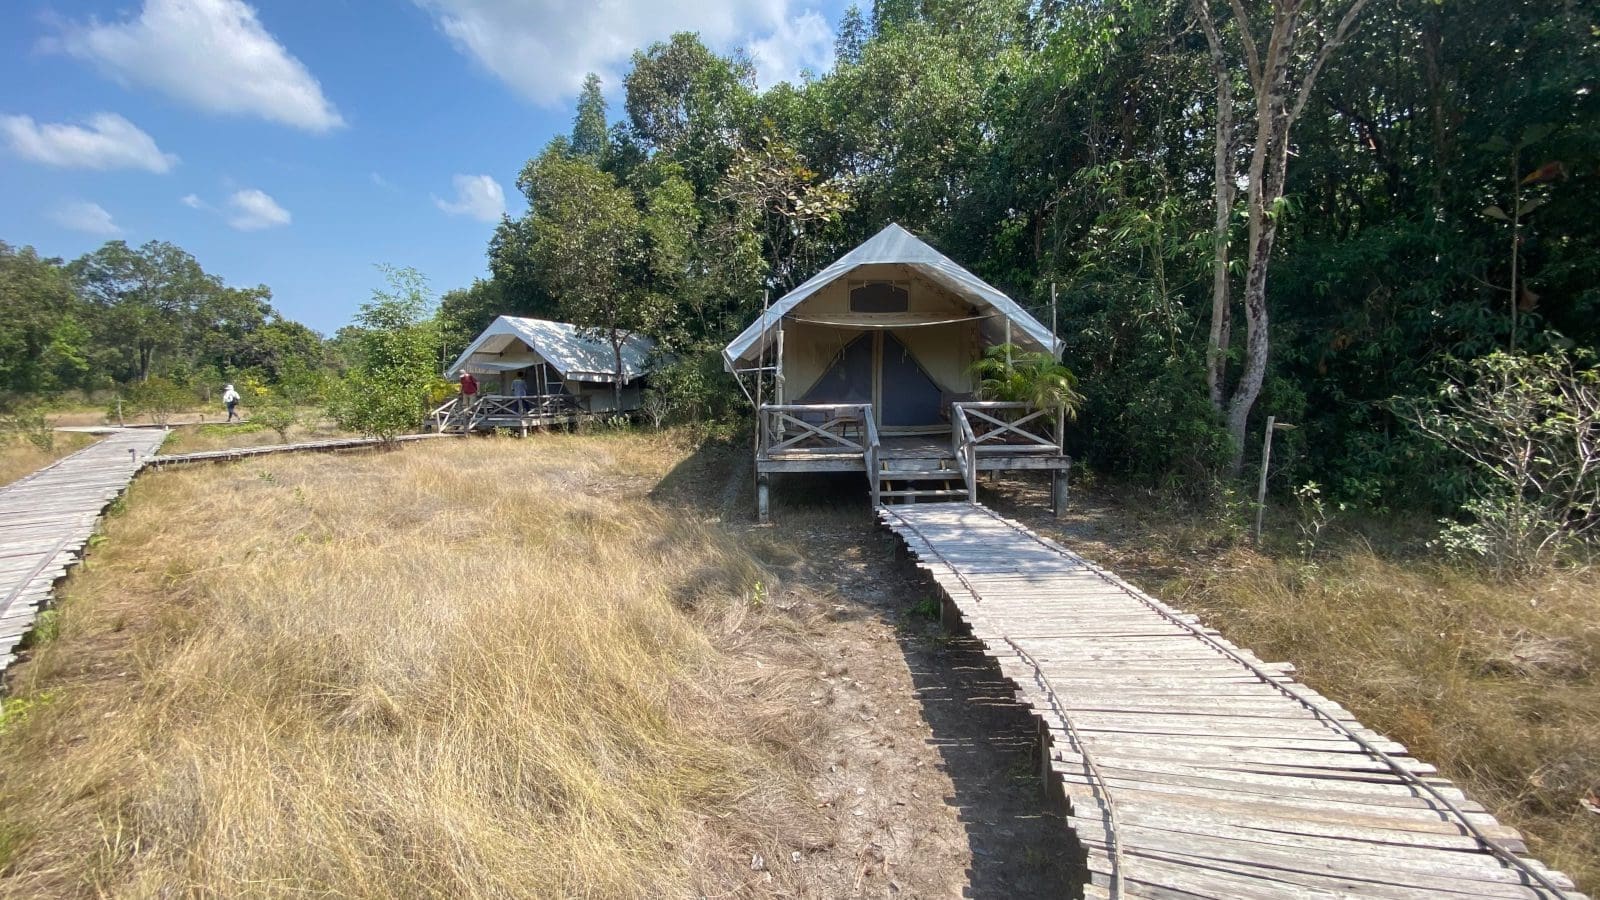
(1189, 767)
(46, 518)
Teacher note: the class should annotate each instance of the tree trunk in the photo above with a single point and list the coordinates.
(1221, 304)
(616, 386)
(1268, 159)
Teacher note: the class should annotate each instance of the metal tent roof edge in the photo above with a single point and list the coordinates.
(893, 244)
(538, 334)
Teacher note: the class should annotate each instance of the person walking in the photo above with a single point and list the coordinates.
(230, 399)
(469, 389)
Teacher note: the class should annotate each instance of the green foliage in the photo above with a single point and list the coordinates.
(1071, 144)
(123, 314)
(157, 397)
(1019, 376)
(396, 348)
(589, 125)
(274, 410)
(1530, 428)
(14, 711)
(694, 387)
(28, 422)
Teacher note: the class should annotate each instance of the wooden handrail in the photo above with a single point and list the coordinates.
(1003, 428)
(775, 420)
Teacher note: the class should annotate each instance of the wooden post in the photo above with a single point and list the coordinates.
(1058, 491)
(1055, 341)
(1261, 489)
(972, 473)
(119, 411)
(762, 513)
(777, 371)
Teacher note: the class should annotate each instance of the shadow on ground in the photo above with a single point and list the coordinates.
(1015, 841)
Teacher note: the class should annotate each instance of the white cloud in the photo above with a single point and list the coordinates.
(798, 43)
(193, 201)
(380, 181)
(89, 218)
(213, 54)
(478, 196)
(105, 141)
(543, 48)
(253, 210)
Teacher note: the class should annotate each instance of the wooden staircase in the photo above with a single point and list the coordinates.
(919, 481)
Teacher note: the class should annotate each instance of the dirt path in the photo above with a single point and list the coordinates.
(931, 781)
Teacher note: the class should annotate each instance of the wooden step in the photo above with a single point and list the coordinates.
(929, 493)
(922, 475)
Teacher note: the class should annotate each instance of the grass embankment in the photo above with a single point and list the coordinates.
(466, 668)
(1495, 681)
(19, 457)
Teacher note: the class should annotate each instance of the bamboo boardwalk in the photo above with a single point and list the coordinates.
(327, 446)
(1189, 767)
(46, 518)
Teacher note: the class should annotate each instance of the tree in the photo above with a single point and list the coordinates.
(1281, 78)
(43, 342)
(852, 37)
(147, 300)
(394, 370)
(589, 125)
(587, 241)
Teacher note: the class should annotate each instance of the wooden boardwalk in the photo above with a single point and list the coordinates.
(328, 446)
(47, 517)
(1189, 767)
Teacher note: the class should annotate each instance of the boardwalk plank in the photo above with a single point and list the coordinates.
(1191, 766)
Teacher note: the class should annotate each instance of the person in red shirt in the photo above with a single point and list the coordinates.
(469, 389)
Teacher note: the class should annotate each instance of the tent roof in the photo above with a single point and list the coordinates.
(898, 246)
(557, 343)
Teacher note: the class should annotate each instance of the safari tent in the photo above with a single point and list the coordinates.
(868, 366)
(568, 374)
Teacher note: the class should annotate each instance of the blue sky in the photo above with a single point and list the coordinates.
(302, 142)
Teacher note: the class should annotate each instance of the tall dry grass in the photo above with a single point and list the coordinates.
(475, 668)
(1497, 682)
(19, 457)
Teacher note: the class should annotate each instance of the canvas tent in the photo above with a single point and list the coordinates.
(555, 358)
(894, 323)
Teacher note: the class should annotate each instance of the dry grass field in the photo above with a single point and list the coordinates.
(568, 666)
(1496, 682)
(222, 436)
(473, 671)
(19, 457)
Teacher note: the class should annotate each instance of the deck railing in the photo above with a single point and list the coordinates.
(997, 423)
(532, 406)
(817, 427)
(997, 427)
(849, 428)
(440, 418)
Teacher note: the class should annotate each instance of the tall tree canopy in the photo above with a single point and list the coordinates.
(123, 314)
(1419, 179)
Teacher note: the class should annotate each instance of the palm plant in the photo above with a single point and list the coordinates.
(1036, 378)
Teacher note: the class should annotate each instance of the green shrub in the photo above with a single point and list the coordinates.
(157, 397)
(29, 423)
(1529, 426)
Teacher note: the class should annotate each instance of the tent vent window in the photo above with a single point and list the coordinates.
(879, 297)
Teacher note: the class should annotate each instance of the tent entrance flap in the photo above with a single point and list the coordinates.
(877, 368)
(908, 397)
